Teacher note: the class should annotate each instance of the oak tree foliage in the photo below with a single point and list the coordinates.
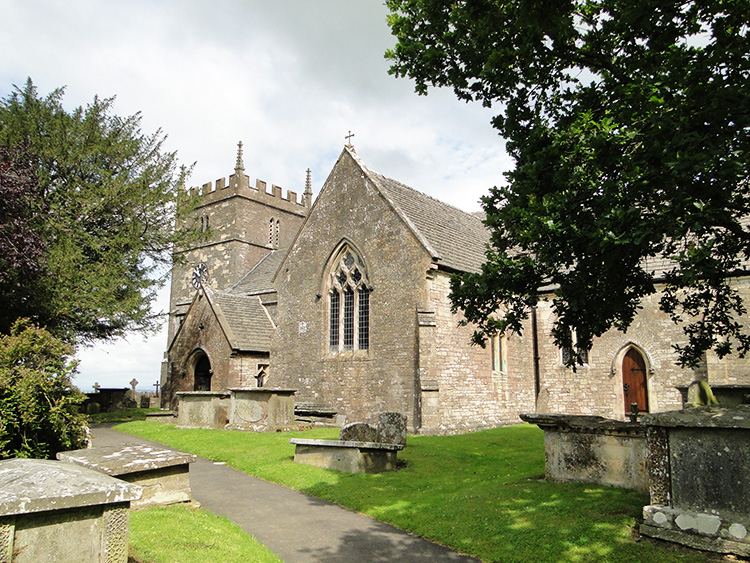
(629, 123)
(99, 201)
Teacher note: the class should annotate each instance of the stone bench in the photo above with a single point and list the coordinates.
(350, 457)
(361, 447)
(50, 510)
(163, 474)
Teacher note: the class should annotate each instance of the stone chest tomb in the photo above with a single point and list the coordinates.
(698, 478)
(163, 474)
(361, 447)
(593, 449)
(49, 507)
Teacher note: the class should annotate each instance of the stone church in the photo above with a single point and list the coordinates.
(346, 301)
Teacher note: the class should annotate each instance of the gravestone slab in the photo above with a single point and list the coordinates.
(391, 428)
(358, 432)
(163, 474)
(350, 457)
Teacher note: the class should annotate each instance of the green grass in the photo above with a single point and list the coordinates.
(182, 534)
(482, 493)
(126, 415)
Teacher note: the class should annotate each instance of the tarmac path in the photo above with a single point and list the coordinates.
(298, 528)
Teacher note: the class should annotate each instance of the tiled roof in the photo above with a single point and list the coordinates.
(260, 278)
(248, 324)
(456, 238)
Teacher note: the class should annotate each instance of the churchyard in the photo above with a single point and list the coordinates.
(483, 494)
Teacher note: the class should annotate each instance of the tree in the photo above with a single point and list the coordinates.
(109, 195)
(629, 123)
(38, 402)
(21, 208)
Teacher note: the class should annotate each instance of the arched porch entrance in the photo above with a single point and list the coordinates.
(202, 374)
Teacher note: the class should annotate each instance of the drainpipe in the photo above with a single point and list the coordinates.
(535, 352)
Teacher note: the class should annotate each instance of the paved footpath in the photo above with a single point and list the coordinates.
(298, 528)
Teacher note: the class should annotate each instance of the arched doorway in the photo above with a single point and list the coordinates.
(202, 374)
(634, 384)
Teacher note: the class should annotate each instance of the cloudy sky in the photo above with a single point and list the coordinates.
(290, 78)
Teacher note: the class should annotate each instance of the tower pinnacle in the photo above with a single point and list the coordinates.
(307, 197)
(240, 165)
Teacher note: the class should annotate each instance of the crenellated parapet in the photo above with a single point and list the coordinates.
(238, 185)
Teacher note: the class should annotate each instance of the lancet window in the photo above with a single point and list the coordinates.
(348, 304)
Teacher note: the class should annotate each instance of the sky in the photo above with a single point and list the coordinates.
(288, 78)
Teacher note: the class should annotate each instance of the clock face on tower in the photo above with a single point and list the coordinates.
(200, 274)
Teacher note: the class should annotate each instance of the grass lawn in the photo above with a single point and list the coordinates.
(482, 493)
(121, 416)
(182, 534)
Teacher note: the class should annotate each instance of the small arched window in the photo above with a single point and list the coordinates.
(348, 304)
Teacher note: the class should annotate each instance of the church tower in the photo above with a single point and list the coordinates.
(241, 225)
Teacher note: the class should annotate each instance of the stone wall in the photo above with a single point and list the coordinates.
(460, 390)
(597, 388)
(356, 383)
(237, 218)
(202, 334)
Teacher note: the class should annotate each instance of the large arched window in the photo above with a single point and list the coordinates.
(348, 303)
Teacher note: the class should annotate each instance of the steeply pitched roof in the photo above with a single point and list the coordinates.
(260, 278)
(456, 239)
(244, 320)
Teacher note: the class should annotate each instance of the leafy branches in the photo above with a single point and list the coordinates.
(38, 403)
(630, 128)
(110, 195)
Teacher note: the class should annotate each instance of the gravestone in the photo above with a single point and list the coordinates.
(391, 428)
(358, 432)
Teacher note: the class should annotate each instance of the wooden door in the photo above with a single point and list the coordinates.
(634, 380)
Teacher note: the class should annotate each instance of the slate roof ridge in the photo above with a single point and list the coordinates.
(428, 196)
(454, 238)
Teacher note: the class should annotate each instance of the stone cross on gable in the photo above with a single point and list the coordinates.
(349, 138)
(133, 383)
(96, 387)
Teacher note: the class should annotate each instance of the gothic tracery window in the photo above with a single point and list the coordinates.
(348, 304)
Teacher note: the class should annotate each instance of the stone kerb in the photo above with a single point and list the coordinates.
(362, 448)
(593, 449)
(698, 478)
(162, 474)
(49, 507)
